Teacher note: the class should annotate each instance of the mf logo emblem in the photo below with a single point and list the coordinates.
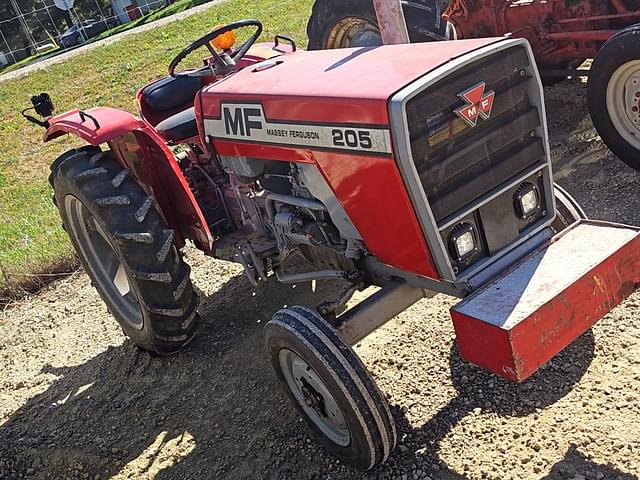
(478, 104)
(240, 121)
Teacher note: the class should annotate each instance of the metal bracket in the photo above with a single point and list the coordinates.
(253, 265)
(286, 39)
(84, 115)
(309, 276)
(332, 308)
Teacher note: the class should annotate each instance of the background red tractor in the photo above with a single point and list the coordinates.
(562, 34)
(411, 169)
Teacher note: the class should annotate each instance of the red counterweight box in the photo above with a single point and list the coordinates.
(517, 323)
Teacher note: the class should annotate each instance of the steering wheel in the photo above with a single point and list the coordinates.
(223, 61)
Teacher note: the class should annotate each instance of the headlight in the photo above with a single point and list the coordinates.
(527, 200)
(463, 241)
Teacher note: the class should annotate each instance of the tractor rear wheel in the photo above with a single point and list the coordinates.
(613, 94)
(330, 387)
(353, 23)
(127, 249)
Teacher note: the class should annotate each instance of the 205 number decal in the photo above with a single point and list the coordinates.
(352, 138)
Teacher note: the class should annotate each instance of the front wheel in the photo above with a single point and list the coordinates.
(330, 387)
(127, 249)
(613, 95)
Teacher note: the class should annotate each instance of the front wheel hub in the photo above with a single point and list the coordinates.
(353, 32)
(315, 398)
(623, 101)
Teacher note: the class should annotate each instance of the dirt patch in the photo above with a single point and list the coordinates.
(16, 286)
(78, 400)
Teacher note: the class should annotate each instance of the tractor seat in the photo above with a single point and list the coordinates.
(168, 95)
(179, 127)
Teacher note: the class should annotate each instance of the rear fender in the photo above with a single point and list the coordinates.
(95, 125)
(141, 150)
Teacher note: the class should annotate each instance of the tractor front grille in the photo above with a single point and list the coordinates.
(457, 163)
(470, 173)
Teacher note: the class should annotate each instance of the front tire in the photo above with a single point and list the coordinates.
(330, 387)
(353, 23)
(127, 250)
(613, 95)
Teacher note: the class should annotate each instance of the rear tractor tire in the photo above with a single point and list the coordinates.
(330, 387)
(127, 249)
(613, 94)
(353, 23)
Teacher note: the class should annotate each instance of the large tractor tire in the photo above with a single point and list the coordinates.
(613, 94)
(353, 23)
(127, 249)
(330, 387)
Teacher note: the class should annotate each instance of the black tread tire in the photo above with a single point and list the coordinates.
(90, 149)
(155, 269)
(372, 428)
(621, 48)
(327, 13)
(568, 210)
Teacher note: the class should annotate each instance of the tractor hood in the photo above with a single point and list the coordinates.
(392, 129)
(345, 85)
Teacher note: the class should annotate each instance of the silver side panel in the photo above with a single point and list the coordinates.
(404, 157)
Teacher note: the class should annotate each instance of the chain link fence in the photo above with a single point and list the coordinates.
(36, 27)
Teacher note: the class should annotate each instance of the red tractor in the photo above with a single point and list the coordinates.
(412, 169)
(562, 34)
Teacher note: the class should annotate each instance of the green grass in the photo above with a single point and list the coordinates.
(176, 7)
(31, 239)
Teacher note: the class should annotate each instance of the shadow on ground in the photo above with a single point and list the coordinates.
(487, 393)
(217, 401)
(216, 410)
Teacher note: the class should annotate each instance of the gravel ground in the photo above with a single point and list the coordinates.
(78, 400)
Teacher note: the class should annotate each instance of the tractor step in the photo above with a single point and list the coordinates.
(517, 323)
